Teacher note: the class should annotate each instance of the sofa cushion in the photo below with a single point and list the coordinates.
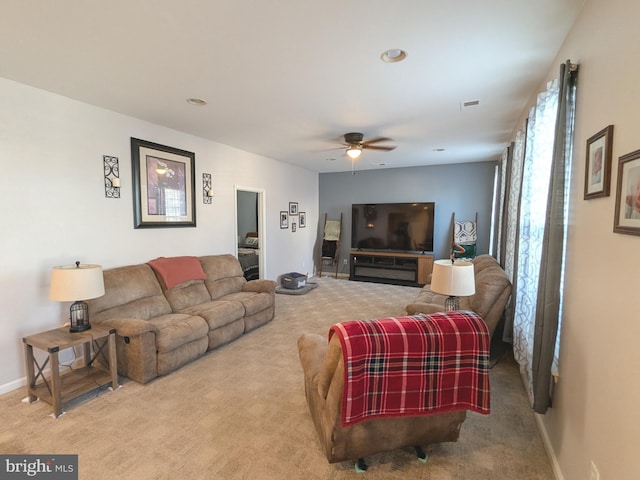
(169, 361)
(217, 313)
(252, 302)
(132, 291)
(177, 329)
(224, 275)
(173, 271)
(187, 294)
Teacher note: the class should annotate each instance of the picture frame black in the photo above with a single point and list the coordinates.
(284, 219)
(163, 185)
(302, 219)
(627, 216)
(597, 174)
(293, 208)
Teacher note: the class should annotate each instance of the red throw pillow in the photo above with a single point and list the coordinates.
(176, 270)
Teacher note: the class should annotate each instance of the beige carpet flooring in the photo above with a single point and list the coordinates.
(239, 412)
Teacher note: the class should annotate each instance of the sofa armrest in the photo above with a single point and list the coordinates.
(129, 327)
(312, 349)
(135, 347)
(415, 308)
(259, 286)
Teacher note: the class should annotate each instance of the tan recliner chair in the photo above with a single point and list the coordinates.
(323, 366)
(493, 290)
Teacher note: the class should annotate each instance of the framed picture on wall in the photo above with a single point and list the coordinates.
(163, 185)
(628, 195)
(597, 173)
(284, 219)
(302, 219)
(293, 208)
(293, 226)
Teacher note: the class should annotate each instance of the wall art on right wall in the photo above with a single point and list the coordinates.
(597, 173)
(627, 218)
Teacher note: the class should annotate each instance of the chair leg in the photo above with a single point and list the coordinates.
(422, 455)
(361, 466)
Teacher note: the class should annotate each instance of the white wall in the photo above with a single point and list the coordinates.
(54, 210)
(595, 415)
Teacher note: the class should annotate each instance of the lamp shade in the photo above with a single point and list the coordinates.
(76, 282)
(453, 279)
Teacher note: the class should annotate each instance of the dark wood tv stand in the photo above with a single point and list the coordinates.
(412, 269)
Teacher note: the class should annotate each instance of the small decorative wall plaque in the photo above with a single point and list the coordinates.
(111, 176)
(207, 189)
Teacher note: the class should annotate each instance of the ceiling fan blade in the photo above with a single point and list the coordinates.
(378, 147)
(376, 140)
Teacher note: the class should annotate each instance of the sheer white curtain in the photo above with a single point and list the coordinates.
(533, 207)
(512, 213)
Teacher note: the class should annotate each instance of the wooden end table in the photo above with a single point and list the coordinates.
(59, 389)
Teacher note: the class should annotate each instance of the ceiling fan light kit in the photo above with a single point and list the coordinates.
(354, 151)
(355, 144)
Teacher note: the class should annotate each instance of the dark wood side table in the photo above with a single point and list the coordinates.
(58, 389)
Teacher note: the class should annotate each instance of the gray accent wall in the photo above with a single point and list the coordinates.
(247, 213)
(461, 188)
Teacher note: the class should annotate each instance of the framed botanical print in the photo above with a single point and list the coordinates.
(628, 195)
(597, 174)
(163, 185)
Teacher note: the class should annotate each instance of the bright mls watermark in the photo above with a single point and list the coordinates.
(51, 467)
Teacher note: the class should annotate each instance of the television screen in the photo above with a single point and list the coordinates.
(404, 227)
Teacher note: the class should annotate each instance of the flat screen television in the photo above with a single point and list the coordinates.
(402, 227)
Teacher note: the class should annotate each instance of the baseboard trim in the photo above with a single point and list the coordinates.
(22, 382)
(14, 385)
(557, 471)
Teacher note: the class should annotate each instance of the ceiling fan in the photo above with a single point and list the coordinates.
(355, 144)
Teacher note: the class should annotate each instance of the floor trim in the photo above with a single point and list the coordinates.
(555, 465)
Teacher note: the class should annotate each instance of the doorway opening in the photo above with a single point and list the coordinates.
(251, 245)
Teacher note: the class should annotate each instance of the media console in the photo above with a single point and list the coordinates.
(410, 269)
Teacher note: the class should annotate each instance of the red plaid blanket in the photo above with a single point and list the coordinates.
(415, 365)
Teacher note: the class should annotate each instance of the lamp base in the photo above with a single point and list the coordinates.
(451, 303)
(79, 317)
(79, 328)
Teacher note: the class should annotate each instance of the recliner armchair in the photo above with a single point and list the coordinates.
(324, 379)
(493, 289)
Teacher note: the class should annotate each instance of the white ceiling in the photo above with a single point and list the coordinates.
(287, 78)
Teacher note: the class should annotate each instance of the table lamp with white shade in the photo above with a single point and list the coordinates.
(454, 279)
(75, 283)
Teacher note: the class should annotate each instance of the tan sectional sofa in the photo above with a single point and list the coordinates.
(493, 289)
(164, 322)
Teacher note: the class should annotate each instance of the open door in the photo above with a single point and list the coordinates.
(249, 231)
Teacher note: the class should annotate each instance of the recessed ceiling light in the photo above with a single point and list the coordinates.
(471, 103)
(393, 55)
(198, 102)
